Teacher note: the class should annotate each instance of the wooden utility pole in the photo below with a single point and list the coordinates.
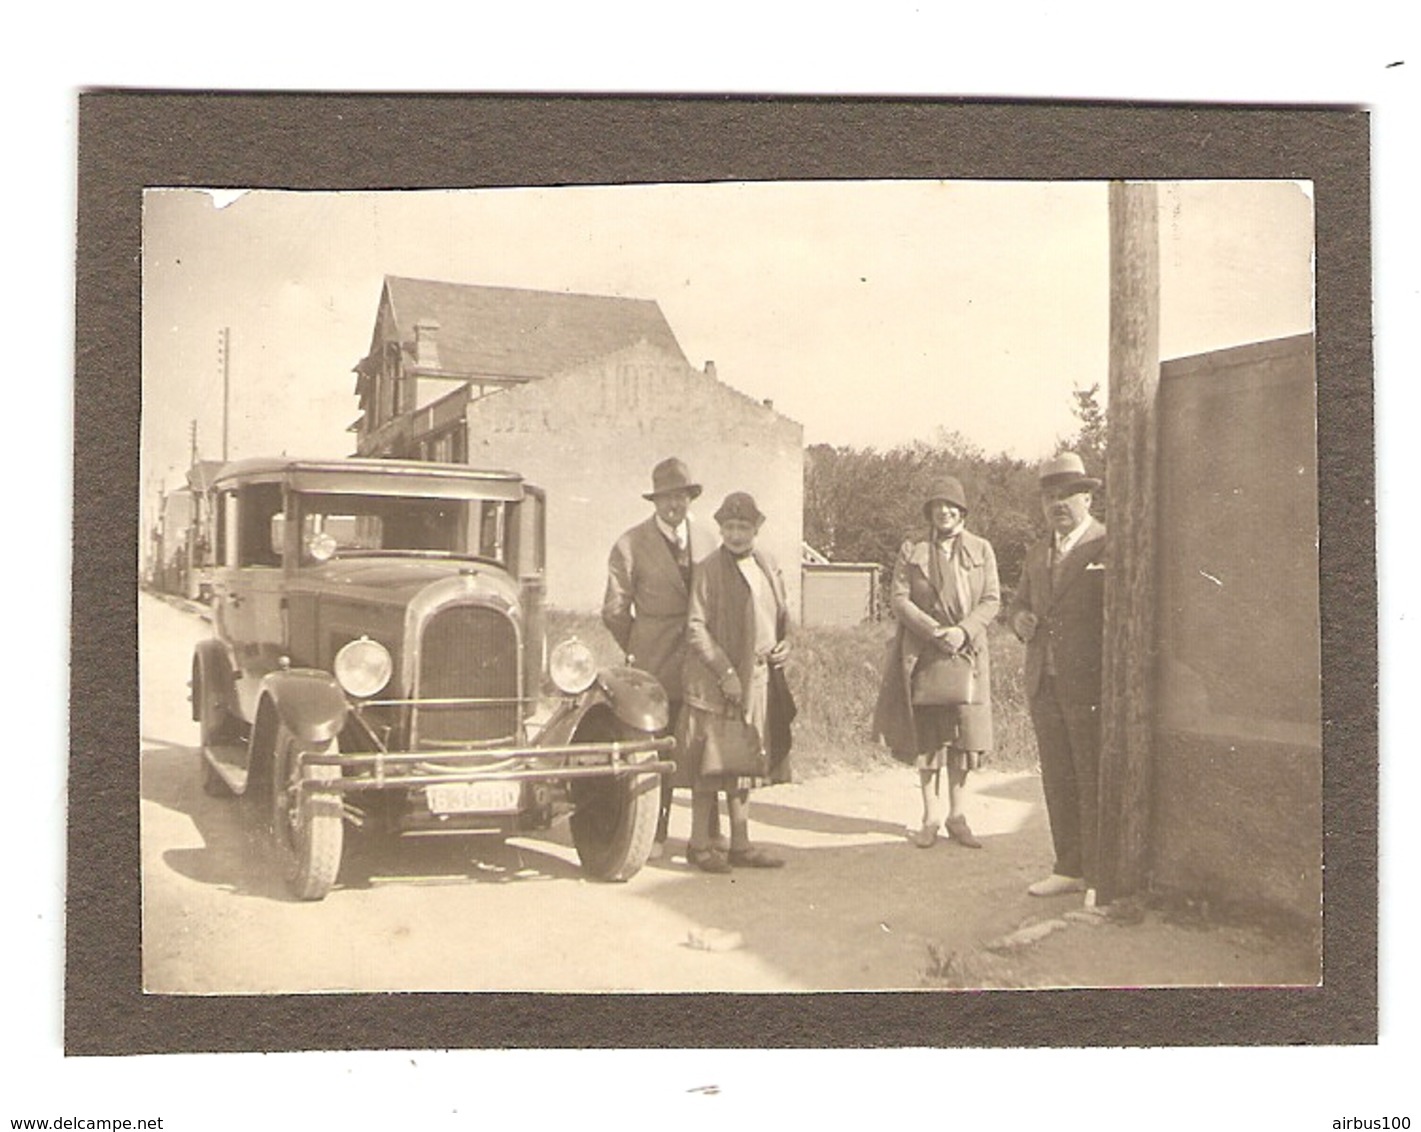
(224, 350)
(1128, 699)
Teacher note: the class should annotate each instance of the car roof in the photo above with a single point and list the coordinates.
(363, 476)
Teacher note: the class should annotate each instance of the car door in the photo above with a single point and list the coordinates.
(252, 604)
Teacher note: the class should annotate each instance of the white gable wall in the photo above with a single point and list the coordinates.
(591, 436)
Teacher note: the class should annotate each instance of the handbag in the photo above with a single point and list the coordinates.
(732, 746)
(944, 680)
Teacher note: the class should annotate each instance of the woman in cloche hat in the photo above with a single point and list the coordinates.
(735, 725)
(945, 593)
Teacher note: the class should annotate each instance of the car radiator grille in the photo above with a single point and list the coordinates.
(468, 651)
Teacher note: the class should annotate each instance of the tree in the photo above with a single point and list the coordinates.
(1089, 440)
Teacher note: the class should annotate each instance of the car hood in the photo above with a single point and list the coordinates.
(401, 578)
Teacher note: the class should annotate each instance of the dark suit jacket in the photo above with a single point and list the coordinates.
(1070, 615)
(645, 603)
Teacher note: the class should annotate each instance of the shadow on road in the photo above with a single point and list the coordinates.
(814, 821)
(237, 853)
(371, 861)
(1018, 788)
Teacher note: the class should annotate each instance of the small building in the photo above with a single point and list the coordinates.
(840, 594)
(583, 395)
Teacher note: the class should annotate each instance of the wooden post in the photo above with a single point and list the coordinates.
(1127, 702)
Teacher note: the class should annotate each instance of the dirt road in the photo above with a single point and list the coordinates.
(857, 907)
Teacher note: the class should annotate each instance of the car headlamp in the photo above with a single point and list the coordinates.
(572, 667)
(363, 667)
(321, 546)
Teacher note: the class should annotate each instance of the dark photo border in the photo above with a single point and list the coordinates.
(129, 140)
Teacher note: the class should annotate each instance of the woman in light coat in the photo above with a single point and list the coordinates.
(945, 594)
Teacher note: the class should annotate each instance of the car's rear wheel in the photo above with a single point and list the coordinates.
(615, 821)
(217, 728)
(308, 823)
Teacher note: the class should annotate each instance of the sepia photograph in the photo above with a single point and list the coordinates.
(839, 607)
(776, 586)
(727, 567)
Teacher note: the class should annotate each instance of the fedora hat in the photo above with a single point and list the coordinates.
(739, 505)
(671, 475)
(949, 490)
(1066, 470)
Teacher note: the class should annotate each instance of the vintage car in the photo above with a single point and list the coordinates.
(378, 658)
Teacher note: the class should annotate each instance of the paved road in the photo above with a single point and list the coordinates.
(856, 907)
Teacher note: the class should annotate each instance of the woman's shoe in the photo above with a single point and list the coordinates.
(926, 837)
(961, 832)
(754, 859)
(708, 860)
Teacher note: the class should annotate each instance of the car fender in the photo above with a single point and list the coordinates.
(308, 701)
(212, 665)
(570, 712)
(636, 698)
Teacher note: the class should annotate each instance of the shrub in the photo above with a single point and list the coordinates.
(835, 676)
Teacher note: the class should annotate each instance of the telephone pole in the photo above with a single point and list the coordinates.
(1128, 703)
(224, 354)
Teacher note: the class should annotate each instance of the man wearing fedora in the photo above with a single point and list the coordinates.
(1059, 612)
(649, 589)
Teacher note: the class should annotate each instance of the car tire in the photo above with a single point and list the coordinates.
(308, 825)
(614, 822)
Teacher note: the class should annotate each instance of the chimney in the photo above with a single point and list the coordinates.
(768, 403)
(426, 348)
(710, 370)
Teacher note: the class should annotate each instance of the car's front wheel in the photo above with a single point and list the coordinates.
(615, 821)
(308, 823)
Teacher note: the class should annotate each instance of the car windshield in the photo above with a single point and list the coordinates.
(343, 525)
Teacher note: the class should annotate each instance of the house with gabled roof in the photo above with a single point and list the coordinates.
(583, 394)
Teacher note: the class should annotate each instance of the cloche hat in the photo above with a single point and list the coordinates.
(739, 505)
(949, 490)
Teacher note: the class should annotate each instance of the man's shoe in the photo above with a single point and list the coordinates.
(754, 859)
(708, 860)
(926, 837)
(721, 842)
(1056, 885)
(961, 832)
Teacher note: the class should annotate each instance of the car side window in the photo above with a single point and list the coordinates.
(257, 505)
(225, 522)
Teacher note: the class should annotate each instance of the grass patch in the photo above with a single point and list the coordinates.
(835, 675)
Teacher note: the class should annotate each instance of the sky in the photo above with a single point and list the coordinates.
(874, 313)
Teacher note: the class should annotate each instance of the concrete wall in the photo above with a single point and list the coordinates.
(591, 436)
(1237, 789)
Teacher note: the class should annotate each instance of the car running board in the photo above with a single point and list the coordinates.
(230, 763)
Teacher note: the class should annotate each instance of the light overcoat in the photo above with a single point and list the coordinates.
(922, 604)
(645, 603)
(1070, 612)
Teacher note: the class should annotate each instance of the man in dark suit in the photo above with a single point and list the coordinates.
(1059, 611)
(649, 589)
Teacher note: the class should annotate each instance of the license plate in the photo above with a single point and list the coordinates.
(473, 797)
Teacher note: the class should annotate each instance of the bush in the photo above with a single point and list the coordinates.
(835, 676)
